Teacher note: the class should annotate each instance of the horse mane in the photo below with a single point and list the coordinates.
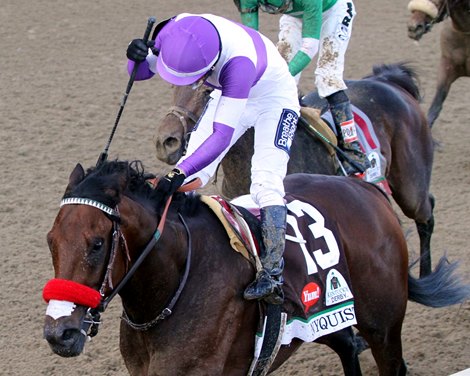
(399, 74)
(456, 5)
(445, 6)
(112, 179)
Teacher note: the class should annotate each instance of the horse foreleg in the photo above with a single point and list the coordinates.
(448, 73)
(436, 106)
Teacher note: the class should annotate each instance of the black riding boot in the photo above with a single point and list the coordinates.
(268, 283)
(340, 108)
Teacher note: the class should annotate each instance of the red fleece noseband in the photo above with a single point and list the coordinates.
(63, 289)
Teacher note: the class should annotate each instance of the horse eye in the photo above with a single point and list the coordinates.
(97, 244)
(96, 255)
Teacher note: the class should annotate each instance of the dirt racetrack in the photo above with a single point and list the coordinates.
(61, 80)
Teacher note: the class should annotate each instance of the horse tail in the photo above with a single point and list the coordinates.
(400, 74)
(441, 288)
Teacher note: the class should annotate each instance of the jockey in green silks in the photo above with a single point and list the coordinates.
(308, 28)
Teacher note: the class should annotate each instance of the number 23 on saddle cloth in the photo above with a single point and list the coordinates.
(318, 300)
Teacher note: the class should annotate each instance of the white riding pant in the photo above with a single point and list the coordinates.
(334, 39)
(269, 162)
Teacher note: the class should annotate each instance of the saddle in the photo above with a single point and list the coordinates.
(316, 125)
(242, 229)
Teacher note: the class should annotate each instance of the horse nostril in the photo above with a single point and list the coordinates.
(56, 336)
(416, 31)
(171, 143)
(68, 334)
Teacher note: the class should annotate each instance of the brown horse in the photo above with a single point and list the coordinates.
(182, 286)
(454, 42)
(390, 97)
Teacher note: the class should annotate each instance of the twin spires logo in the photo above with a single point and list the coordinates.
(310, 295)
(337, 289)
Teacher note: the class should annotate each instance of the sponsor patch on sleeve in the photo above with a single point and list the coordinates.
(285, 130)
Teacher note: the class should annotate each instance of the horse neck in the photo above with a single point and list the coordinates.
(459, 13)
(309, 155)
(158, 276)
(138, 225)
(192, 102)
(237, 177)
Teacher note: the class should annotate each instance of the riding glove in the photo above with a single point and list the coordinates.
(169, 183)
(137, 50)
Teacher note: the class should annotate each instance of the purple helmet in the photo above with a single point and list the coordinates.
(190, 46)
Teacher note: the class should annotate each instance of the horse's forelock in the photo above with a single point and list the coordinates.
(100, 188)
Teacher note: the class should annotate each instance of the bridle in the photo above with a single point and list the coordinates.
(183, 115)
(91, 321)
(441, 9)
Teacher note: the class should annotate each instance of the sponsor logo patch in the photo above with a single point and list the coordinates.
(337, 290)
(343, 33)
(375, 171)
(348, 129)
(285, 130)
(310, 295)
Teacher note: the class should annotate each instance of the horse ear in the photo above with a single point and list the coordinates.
(75, 177)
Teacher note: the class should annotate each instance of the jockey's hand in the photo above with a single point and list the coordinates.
(168, 184)
(137, 50)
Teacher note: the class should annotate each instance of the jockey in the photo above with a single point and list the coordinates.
(308, 27)
(252, 88)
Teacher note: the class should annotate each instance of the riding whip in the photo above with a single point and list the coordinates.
(104, 155)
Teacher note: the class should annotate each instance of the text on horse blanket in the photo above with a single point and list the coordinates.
(317, 284)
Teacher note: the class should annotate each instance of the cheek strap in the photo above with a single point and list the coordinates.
(64, 289)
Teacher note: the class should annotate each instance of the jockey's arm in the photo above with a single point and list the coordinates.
(236, 78)
(248, 12)
(146, 68)
(311, 28)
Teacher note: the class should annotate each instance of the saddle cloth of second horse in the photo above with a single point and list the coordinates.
(318, 296)
(369, 141)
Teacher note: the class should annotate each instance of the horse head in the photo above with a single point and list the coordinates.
(174, 129)
(90, 253)
(423, 16)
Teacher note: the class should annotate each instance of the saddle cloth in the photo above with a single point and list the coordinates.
(371, 145)
(319, 299)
